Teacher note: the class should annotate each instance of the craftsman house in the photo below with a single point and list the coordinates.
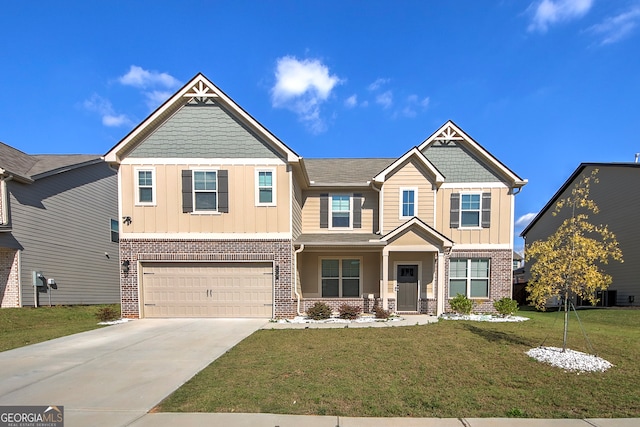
(220, 218)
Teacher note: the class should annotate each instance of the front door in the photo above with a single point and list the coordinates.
(407, 288)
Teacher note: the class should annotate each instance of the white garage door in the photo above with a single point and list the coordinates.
(207, 289)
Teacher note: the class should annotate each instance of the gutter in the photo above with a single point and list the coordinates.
(295, 276)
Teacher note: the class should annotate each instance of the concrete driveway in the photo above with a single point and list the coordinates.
(113, 376)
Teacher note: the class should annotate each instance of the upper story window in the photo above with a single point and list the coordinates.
(115, 231)
(145, 187)
(470, 210)
(205, 190)
(265, 187)
(408, 202)
(340, 211)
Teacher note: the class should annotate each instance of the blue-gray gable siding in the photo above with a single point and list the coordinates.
(61, 224)
(203, 131)
(458, 164)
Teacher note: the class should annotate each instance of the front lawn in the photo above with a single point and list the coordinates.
(28, 325)
(448, 369)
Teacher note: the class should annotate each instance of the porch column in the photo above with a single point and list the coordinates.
(441, 285)
(385, 279)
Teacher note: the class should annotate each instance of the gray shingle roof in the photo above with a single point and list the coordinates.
(344, 171)
(31, 166)
(340, 239)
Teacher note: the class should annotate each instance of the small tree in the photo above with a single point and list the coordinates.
(569, 261)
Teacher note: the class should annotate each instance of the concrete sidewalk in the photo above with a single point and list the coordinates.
(273, 420)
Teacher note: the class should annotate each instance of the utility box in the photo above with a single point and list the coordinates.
(38, 278)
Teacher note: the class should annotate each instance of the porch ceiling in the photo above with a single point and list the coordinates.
(340, 239)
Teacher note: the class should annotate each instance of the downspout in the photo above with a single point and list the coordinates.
(295, 276)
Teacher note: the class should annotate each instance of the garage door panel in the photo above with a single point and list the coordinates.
(207, 289)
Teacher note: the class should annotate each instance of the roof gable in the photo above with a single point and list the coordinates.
(420, 228)
(461, 159)
(202, 92)
(414, 154)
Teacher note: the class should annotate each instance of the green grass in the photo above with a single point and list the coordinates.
(448, 369)
(28, 325)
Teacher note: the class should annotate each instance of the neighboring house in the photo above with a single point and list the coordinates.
(58, 223)
(618, 201)
(220, 218)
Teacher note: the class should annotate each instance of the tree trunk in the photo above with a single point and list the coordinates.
(566, 320)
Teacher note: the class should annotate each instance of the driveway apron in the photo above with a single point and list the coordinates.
(114, 375)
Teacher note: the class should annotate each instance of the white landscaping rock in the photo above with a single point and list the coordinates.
(569, 360)
(482, 317)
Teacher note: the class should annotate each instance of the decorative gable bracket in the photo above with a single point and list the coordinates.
(200, 92)
(447, 136)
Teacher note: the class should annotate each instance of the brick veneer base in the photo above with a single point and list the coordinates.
(9, 289)
(135, 250)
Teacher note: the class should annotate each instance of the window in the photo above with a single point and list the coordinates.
(265, 188)
(469, 277)
(115, 232)
(408, 202)
(470, 210)
(340, 278)
(145, 187)
(340, 211)
(205, 190)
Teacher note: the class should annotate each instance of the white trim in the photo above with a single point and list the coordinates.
(417, 222)
(195, 211)
(418, 276)
(435, 208)
(381, 211)
(382, 176)
(512, 219)
(481, 246)
(470, 227)
(468, 277)
(473, 185)
(340, 277)
(272, 171)
(136, 187)
(330, 211)
(207, 236)
(291, 201)
(415, 202)
(201, 161)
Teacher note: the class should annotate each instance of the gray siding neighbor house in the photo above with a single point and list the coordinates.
(58, 229)
(617, 195)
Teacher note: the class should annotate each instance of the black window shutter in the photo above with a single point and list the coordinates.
(486, 210)
(454, 217)
(324, 211)
(187, 194)
(223, 191)
(357, 211)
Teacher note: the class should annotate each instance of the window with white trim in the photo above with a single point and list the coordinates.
(265, 187)
(340, 216)
(145, 187)
(470, 208)
(469, 277)
(408, 202)
(115, 231)
(205, 190)
(340, 277)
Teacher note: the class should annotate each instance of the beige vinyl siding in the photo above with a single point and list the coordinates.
(62, 225)
(498, 233)
(425, 260)
(244, 216)
(311, 211)
(309, 265)
(619, 208)
(410, 175)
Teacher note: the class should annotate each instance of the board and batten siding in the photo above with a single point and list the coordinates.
(616, 195)
(296, 209)
(499, 232)
(409, 175)
(167, 216)
(62, 223)
(311, 211)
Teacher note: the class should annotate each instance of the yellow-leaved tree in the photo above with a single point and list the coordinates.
(569, 262)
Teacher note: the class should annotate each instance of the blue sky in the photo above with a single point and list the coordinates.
(542, 84)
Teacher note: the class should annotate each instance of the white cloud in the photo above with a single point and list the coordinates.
(141, 78)
(378, 83)
(414, 103)
(103, 107)
(302, 86)
(525, 219)
(549, 12)
(616, 28)
(385, 99)
(351, 101)
(156, 97)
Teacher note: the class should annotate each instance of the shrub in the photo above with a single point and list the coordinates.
(350, 312)
(319, 311)
(381, 313)
(461, 304)
(505, 306)
(107, 314)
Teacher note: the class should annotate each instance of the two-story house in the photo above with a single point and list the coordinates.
(220, 218)
(58, 229)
